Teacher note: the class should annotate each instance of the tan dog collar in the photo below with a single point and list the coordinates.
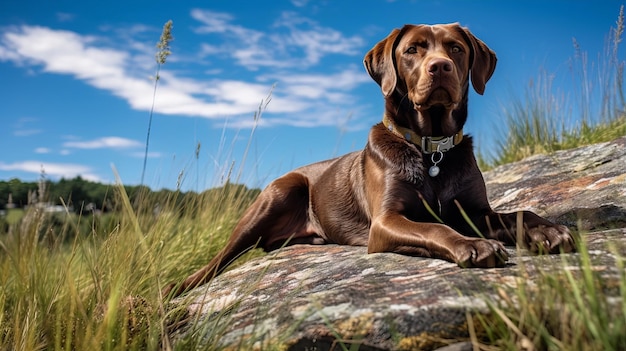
(429, 145)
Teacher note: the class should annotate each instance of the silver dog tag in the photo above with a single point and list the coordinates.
(433, 171)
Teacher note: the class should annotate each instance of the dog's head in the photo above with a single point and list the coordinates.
(428, 68)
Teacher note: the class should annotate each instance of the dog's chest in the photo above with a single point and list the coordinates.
(439, 191)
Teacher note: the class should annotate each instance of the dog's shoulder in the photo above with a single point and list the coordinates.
(394, 154)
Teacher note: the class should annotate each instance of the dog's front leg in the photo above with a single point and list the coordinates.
(396, 233)
(524, 228)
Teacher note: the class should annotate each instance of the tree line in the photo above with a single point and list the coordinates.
(82, 195)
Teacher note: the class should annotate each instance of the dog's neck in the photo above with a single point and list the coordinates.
(429, 144)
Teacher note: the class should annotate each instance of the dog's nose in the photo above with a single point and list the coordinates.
(439, 66)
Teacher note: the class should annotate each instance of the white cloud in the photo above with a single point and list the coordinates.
(26, 132)
(103, 143)
(42, 150)
(59, 170)
(151, 154)
(219, 22)
(66, 52)
(293, 43)
(315, 94)
(315, 40)
(343, 81)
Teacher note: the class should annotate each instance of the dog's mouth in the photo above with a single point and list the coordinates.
(436, 113)
(438, 99)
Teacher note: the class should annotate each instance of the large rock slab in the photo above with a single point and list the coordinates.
(584, 186)
(315, 297)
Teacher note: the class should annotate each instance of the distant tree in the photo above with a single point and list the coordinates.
(79, 193)
(4, 194)
(19, 190)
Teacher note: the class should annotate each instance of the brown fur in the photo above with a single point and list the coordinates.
(377, 197)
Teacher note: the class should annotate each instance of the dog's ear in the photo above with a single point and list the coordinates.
(483, 61)
(380, 62)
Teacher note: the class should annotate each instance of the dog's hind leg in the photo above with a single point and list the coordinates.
(278, 216)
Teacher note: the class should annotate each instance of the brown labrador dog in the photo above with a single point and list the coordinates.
(417, 168)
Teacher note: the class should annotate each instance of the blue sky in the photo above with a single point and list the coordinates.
(77, 80)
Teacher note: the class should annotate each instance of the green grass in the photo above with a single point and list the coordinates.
(545, 119)
(102, 290)
(573, 308)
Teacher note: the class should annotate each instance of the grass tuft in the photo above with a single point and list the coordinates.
(580, 306)
(545, 120)
(101, 291)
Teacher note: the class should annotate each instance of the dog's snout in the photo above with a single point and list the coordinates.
(440, 66)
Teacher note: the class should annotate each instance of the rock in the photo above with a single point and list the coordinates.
(318, 297)
(312, 297)
(586, 184)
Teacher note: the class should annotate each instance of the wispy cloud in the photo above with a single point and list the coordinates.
(57, 170)
(42, 150)
(294, 42)
(26, 132)
(313, 39)
(219, 22)
(151, 154)
(65, 52)
(64, 16)
(317, 86)
(284, 56)
(299, 3)
(26, 126)
(103, 143)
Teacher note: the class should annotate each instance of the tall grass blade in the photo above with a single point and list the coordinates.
(163, 52)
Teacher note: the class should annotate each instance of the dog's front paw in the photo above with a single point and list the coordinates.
(481, 253)
(544, 239)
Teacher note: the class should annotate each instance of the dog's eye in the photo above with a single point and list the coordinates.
(416, 46)
(456, 49)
